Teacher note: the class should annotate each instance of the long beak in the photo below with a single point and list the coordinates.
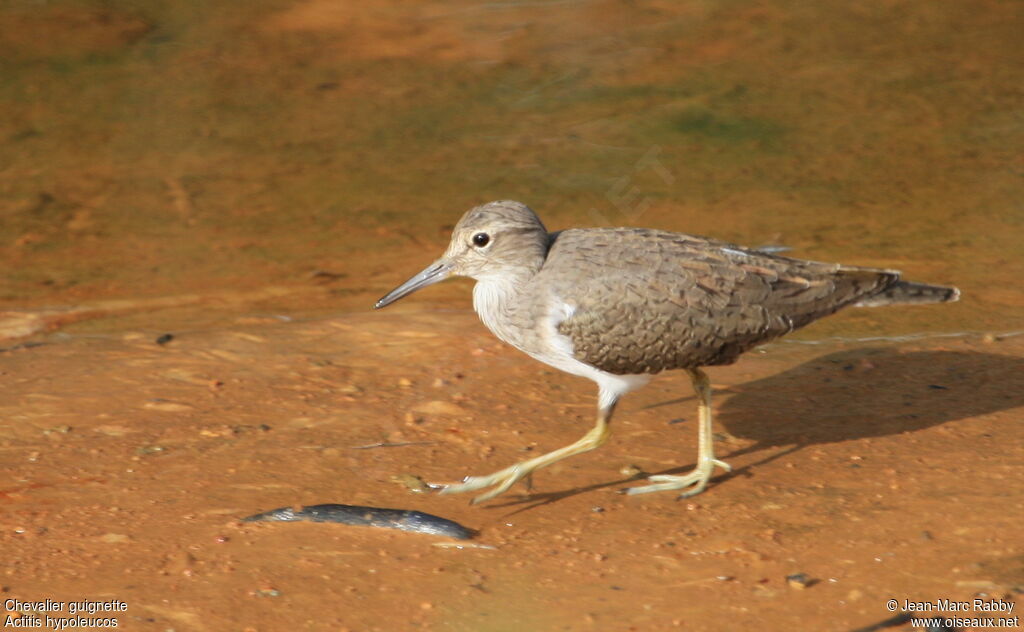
(435, 272)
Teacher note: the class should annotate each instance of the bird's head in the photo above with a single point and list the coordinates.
(497, 239)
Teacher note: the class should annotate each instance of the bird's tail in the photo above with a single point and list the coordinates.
(908, 293)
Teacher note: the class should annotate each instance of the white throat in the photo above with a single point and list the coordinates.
(493, 297)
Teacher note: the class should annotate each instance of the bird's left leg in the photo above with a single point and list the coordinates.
(504, 479)
(698, 479)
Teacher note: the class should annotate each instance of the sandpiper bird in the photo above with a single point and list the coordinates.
(618, 305)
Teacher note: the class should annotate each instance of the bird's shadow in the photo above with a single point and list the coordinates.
(871, 392)
(849, 395)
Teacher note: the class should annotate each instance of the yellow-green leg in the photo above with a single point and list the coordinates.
(698, 479)
(504, 479)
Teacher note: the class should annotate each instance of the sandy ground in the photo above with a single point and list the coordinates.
(879, 471)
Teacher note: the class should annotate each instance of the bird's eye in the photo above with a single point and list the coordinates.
(481, 239)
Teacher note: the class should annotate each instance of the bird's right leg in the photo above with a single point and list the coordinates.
(698, 479)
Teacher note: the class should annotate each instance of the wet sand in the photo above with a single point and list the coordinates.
(876, 470)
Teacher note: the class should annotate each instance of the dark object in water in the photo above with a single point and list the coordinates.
(903, 618)
(403, 519)
(891, 622)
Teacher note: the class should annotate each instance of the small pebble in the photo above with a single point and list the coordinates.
(630, 470)
(164, 339)
(798, 581)
(412, 482)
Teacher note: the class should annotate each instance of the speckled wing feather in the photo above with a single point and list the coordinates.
(644, 301)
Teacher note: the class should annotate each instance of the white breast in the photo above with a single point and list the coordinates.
(611, 386)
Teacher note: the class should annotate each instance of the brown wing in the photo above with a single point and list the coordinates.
(647, 301)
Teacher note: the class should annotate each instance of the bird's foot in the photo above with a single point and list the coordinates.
(502, 480)
(696, 480)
